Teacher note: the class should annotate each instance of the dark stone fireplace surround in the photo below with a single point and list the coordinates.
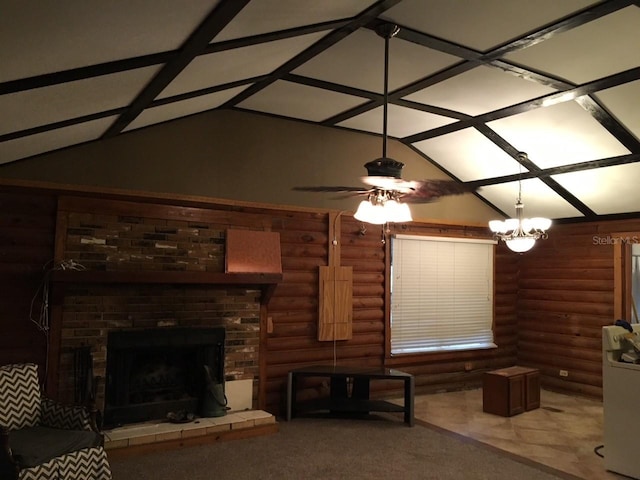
(93, 312)
(153, 372)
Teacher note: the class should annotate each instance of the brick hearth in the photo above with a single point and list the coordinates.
(138, 438)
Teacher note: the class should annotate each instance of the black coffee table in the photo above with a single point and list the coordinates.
(358, 401)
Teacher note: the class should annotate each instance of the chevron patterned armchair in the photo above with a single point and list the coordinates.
(41, 439)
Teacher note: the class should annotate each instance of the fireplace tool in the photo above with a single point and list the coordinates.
(214, 403)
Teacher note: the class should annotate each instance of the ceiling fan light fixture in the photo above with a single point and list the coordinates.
(371, 213)
(397, 212)
(520, 234)
(389, 196)
(381, 208)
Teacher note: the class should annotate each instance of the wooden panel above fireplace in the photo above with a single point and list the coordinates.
(266, 282)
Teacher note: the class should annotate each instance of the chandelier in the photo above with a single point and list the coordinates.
(520, 234)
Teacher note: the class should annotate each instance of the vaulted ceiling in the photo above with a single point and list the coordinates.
(471, 82)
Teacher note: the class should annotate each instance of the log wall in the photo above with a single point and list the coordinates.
(550, 303)
(27, 233)
(566, 295)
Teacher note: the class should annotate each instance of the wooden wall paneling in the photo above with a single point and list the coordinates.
(56, 308)
(27, 225)
(569, 289)
(622, 274)
(550, 303)
(306, 245)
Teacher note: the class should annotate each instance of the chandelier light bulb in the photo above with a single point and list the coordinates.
(520, 234)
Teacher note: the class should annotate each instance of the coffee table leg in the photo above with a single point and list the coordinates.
(291, 394)
(409, 387)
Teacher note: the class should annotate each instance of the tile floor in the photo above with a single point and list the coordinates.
(562, 433)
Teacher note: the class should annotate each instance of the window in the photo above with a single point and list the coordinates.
(441, 294)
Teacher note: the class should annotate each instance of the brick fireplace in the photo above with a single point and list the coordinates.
(91, 314)
(142, 266)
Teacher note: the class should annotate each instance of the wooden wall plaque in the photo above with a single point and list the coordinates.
(251, 251)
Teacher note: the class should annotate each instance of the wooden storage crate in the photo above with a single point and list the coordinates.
(510, 391)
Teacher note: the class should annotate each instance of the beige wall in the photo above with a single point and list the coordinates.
(240, 156)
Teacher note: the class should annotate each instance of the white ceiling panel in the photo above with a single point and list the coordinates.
(300, 101)
(56, 36)
(264, 16)
(617, 102)
(538, 199)
(480, 24)
(401, 121)
(171, 111)
(53, 139)
(612, 39)
(605, 190)
(469, 155)
(491, 65)
(480, 90)
(358, 61)
(232, 65)
(42, 106)
(561, 134)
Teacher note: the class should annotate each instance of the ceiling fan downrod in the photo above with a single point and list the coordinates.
(386, 31)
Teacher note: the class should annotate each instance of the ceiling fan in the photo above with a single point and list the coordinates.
(387, 193)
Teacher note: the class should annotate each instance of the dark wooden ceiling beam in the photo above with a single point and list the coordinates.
(142, 61)
(61, 124)
(71, 75)
(545, 100)
(323, 44)
(535, 170)
(194, 45)
(548, 172)
(575, 20)
(274, 36)
(334, 87)
(574, 201)
(429, 41)
(609, 122)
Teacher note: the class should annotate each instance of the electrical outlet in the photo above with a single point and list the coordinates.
(564, 373)
(468, 366)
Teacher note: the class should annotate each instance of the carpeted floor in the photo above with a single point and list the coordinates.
(328, 448)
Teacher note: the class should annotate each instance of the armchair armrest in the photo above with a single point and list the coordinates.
(67, 417)
(8, 466)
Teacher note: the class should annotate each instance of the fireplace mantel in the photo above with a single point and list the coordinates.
(266, 282)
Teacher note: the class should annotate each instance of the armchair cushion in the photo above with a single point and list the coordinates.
(37, 445)
(19, 396)
(56, 415)
(41, 439)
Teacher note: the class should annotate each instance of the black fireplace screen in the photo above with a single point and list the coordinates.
(153, 372)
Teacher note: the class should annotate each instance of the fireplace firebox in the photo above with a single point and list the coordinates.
(152, 372)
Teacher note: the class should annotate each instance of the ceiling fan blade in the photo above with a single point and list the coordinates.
(331, 189)
(425, 191)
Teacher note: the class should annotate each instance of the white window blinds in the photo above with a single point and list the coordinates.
(441, 294)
